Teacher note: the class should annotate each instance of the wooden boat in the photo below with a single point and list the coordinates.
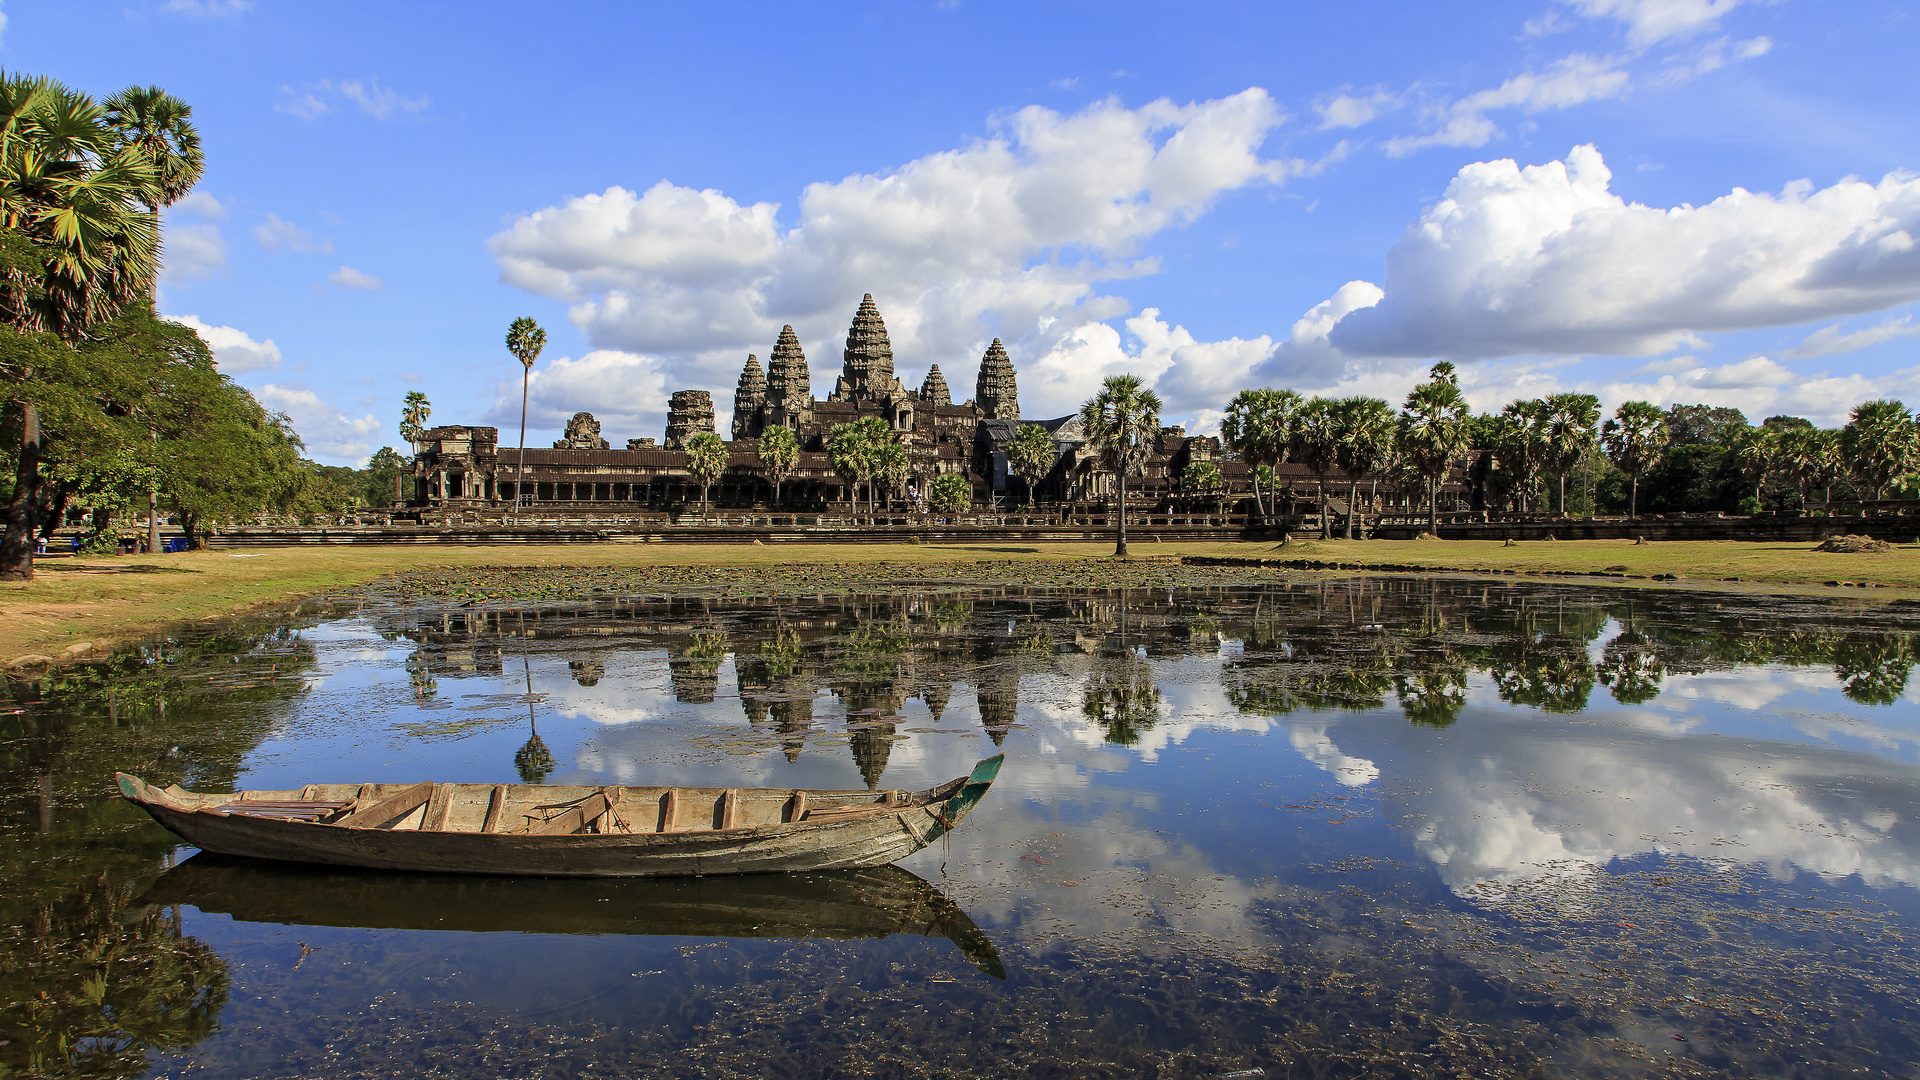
(875, 902)
(563, 831)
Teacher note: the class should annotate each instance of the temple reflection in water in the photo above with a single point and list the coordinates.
(793, 663)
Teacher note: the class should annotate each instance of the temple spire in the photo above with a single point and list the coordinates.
(788, 382)
(994, 392)
(748, 397)
(934, 390)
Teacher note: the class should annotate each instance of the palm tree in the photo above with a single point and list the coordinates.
(1635, 439)
(706, 460)
(1433, 433)
(1258, 426)
(1520, 445)
(1878, 443)
(1314, 442)
(1364, 432)
(159, 128)
(80, 245)
(858, 452)
(1812, 455)
(1032, 455)
(1568, 431)
(525, 339)
(1121, 422)
(1757, 452)
(779, 453)
(155, 125)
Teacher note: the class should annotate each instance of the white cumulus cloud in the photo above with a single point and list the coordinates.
(326, 430)
(627, 393)
(1545, 260)
(234, 351)
(348, 278)
(1009, 236)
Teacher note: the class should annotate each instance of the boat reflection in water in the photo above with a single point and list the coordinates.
(838, 904)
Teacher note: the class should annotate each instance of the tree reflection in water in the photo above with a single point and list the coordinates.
(89, 986)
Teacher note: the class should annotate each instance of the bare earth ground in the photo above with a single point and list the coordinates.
(100, 601)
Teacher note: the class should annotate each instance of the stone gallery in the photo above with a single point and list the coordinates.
(464, 469)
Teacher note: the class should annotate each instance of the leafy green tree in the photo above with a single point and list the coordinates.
(1121, 422)
(779, 455)
(1635, 438)
(413, 419)
(1032, 456)
(950, 493)
(1570, 424)
(1364, 431)
(1200, 478)
(890, 464)
(1433, 433)
(706, 460)
(1878, 443)
(1703, 425)
(383, 477)
(1315, 443)
(525, 339)
(77, 244)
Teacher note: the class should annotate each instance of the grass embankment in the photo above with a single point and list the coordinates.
(106, 600)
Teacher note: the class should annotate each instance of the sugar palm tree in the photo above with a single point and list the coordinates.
(1258, 426)
(1878, 443)
(1757, 452)
(706, 460)
(1315, 443)
(1520, 445)
(1121, 422)
(525, 339)
(1812, 455)
(779, 453)
(80, 244)
(1433, 434)
(1635, 439)
(158, 127)
(1570, 424)
(1364, 430)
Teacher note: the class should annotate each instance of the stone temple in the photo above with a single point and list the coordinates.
(464, 469)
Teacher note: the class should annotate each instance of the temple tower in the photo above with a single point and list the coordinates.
(934, 390)
(689, 412)
(748, 398)
(994, 393)
(789, 386)
(867, 365)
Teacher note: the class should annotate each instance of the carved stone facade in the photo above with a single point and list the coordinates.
(867, 362)
(583, 433)
(689, 412)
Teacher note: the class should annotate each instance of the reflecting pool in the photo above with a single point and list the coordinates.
(1316, 827)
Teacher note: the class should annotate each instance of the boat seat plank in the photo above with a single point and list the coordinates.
(669, 809)
(581, 815)
(385, 810)
(287, 809)
(729, 809)
(439, 805)
(799, 806)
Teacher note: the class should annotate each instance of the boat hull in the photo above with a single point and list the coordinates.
(863, 840)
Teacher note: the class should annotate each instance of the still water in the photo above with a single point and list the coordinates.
(1318, 827)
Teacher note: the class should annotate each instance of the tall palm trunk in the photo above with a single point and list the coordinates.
(520, 468)
(16, 550)
(1120, 548)
(1633, 496)
(1320, 492)
(1433, 505)
(1353, 503)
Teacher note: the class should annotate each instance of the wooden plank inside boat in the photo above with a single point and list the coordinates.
(385, 810)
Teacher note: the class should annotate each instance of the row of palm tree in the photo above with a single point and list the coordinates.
(1358, 437)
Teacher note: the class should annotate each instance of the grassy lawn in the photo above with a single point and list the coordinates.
(104, 600)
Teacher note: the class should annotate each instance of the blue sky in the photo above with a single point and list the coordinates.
(1682, 200)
